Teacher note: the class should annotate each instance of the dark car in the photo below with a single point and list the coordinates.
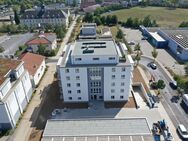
(153, 66)
(173, 85)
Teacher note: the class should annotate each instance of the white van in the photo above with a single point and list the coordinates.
(185, 99)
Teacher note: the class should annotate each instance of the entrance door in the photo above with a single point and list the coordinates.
(95, 97)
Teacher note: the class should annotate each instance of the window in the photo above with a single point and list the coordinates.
(113, 76)
(111, 58)
(112, 97)
(69, 91)
(79, 98)
(113, 84)
(78, 91)
(67, 77)
(100, 97)
(68, 85)
(122, 76)
(70, 98)
(95, 58)
(121, 97)
(122, 90)
(123, 69)
(113, 69)
(112, 91)
(77, 77)
(78, 84)
(122, 84)
(67, 70)
(78, 59)
(77, 70)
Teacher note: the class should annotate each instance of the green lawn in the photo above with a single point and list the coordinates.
(164, 16)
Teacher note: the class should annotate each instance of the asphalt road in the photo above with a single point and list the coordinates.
(177, 112)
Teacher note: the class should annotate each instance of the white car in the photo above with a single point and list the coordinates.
(131, 43)
(182, 131)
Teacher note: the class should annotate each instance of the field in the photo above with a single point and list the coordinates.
(165, 17)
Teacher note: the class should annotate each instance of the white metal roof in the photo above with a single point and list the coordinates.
(157, 37)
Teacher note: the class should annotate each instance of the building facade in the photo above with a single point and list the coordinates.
(43, 16)
(15, 92)
(94, 70)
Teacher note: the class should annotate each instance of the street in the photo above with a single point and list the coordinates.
(175, 110)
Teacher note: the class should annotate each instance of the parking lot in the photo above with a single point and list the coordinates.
(163, 56)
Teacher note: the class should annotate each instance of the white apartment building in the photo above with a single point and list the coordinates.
(95, 70)
(15, 92)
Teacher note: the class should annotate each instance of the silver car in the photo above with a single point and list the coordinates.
(182, 131)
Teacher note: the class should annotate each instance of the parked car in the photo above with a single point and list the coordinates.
(173, 84)
(185, 99)
(182, 131)
(153, 66)
(131, 43)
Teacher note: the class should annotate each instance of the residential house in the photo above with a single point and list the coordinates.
(35, 64)
(46, 39)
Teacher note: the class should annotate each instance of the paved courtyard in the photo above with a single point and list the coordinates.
(163, 56)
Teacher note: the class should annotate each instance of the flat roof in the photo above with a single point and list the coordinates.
(94, 47)
(96, 127)
(157, 37)
(179, 35)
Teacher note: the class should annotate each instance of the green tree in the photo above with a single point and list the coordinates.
(137, 58)
(114, 19)
(161, 85)
(137, 48)
(147, 21)
(41, 49)
(108, 20)
(103, 20)
(22, 8)
(16, 17)
(119, 34)
(97, 20)
(154, 54)
(129, 22)
(74, 3)
(1, 49)
(60, 31)
(88, 17)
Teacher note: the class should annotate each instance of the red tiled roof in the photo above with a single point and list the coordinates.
(38, 40)
(32, 62)
(5, 66)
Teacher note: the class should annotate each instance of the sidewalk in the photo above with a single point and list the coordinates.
(161, 110)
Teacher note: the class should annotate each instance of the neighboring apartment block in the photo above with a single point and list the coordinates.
(95, 70)
(45, 16)
(15, 92)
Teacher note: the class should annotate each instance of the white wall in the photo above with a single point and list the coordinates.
(83, 84)
(88, 59)
(19, 71)
(4, 88)
(118, 80)
(39, 73)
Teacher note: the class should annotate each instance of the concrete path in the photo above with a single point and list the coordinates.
(23, 131)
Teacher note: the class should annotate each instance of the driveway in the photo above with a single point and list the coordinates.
(163, 56)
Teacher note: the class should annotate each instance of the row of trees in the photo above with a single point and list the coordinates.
(135, 22)
(101, 20)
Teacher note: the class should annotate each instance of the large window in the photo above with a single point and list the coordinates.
(69, 91)
(78, 59)
(111, 58)
(78, 84)
(113, 69)
(112, 91)
(77, 70)
(113, 84)
(68, 85)
(78, 91)
(113, 76)
(95, 58)
(67, 77)
(122, 76)
(77, 77)
(67, 70)
(112, 97)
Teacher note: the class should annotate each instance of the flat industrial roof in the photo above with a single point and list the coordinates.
(180, 36)
(96, 127)
(157, 37)
(94, 47)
